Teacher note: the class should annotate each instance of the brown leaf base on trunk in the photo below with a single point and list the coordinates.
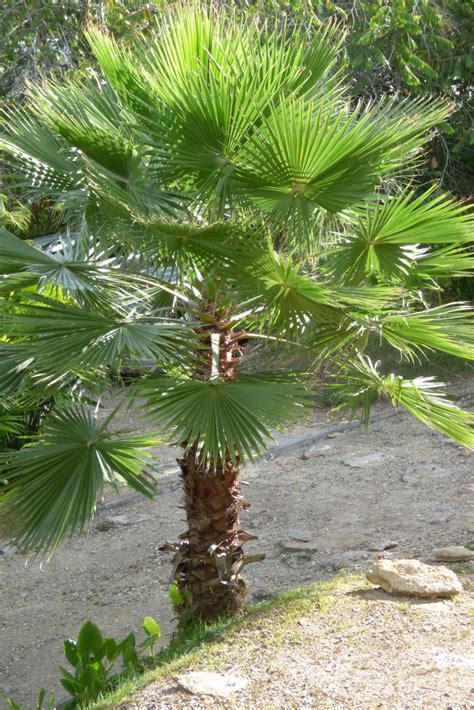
(210, 557)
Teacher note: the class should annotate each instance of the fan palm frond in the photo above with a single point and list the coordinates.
(421, 397)
(15, 361)
(211, 81)
(50, 489)
(225, 418)
(446, 263)
(384, 239)
(448, 328)
(294, 300)
(66, 337)
(89, 120)
(46, 159)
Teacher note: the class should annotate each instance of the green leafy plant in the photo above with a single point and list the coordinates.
(225, 198)
(94, 660)
(42, 702)
(153, 633)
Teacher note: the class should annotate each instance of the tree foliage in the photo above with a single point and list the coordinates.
(416, 47)
(220, 188)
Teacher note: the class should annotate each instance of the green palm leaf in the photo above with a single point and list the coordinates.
(211, 81)
(45, 158)
(50, 489)
(90, 120)
(15, 362)
(83, 270)
(225, 418)
(66, 337)
(446, 263)
(449, 328)
(17, 256)
(312, 155)
(180, 243)
(296, 301)
(383, 240)
(421, 397)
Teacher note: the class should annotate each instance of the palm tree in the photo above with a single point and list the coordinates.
(223, 198)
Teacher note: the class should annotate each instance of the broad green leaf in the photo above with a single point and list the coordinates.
(71, 652)
(89, 640)
(151, 627)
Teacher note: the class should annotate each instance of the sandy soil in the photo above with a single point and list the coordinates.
(415, 490)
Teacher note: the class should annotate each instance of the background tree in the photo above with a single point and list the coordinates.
(418, 47)
(220, 189)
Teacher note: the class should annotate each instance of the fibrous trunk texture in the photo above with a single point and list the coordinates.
(209, 559)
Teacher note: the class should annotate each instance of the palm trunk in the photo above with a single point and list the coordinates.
(211, 554)
(210, 557)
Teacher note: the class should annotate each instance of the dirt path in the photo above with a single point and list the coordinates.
(413, 488)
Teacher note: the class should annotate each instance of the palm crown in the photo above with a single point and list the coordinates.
(220, 189)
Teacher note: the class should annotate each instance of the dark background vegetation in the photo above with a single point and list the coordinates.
(409, 47)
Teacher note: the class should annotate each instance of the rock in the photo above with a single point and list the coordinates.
(455, 553)
(215, 684)
(445, 659)
(119, 520)
(431, 469)
(7, 549)
(316, 450)
(367, 460)
(297, 534)
(414, 578)
(299, 541)
(383, 545)
(290, 546)
(123, 519)
(334, 434)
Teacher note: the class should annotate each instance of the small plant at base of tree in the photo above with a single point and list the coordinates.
(42, 702)
(94, 659)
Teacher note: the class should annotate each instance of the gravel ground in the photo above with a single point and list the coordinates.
(354, 648)
(315, 509)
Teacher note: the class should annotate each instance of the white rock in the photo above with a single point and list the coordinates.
(455, 553)
(363, 461)
(445, 659)
(7, 549)
(297, 534)
(124, 519)
(315, 451)
(414, 578)
(215, 684)
(382, 545)
(121, 519)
